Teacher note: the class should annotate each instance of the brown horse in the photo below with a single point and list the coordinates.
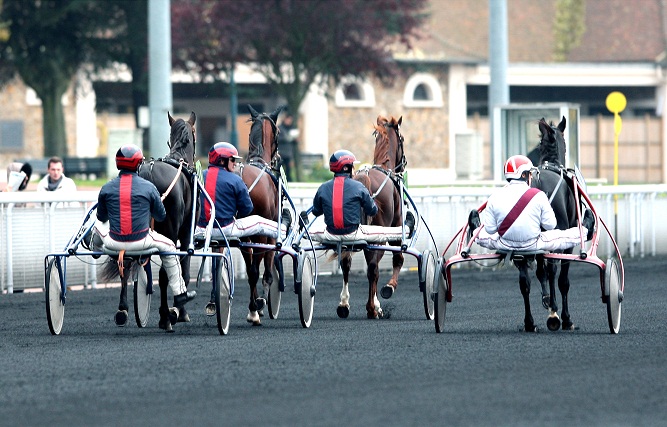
(382, 180)
(259, 174)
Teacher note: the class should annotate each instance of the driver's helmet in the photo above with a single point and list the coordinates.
(129, 157)
(340, 159)
(222, 150)
(516, 165)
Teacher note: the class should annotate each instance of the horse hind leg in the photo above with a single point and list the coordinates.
(397, 263)
(343, 310)
(122, 316)
(553, 321)
(256, 303)
(564, 288)
(373, 308)
(165, 313)
(524, 285)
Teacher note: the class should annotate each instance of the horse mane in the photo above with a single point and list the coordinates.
(182, 141)
(381, 153)
(549, 144)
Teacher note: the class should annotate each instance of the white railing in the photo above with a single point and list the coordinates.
(34, 224)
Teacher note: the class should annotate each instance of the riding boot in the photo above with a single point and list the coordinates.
(473, 222)
(589, 223)
(410, 223)
(184, 298)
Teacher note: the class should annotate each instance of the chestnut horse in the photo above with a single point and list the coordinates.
(259, 173)
(382, 181)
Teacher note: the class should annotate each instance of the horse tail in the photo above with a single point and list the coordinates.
(110, 271)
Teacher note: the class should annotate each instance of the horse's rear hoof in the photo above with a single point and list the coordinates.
(260, 303)
(210, 309)
(173, 315)
(343, 311)
(121, 318)
(183, 316)
(387, 291)
(253, 318)
(165, 324)
(553, 322)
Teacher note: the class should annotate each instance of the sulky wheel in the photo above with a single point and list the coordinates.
(304, 280)
(223, 300)
(428, 272)
(143, 290)
(55, 304)
(274, 290)
(440, 299)
(613, 294)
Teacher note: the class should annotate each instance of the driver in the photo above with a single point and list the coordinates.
(516, 214)
(341, 200)
(127, 203)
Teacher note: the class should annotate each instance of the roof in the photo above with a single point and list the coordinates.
(615, 31)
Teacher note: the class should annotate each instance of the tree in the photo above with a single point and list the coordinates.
(569, 27)
(294, 43)
(48, 42)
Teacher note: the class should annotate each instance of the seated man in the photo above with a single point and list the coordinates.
(341, 200)
(516, 214)
(231, 199)
(128, 202)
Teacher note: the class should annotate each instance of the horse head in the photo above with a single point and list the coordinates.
(182, 139)
(389, 152)
(263, 139)
(552, 142)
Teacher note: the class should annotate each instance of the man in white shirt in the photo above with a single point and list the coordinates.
(516, 214)
(56, 180)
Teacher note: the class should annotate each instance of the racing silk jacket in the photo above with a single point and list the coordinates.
(537, 215)
(230, 196)
(341, 200)
(128, 202)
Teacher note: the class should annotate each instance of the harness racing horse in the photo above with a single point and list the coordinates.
(551, 181)
(173, 177)
(382, 183)
(259, 175)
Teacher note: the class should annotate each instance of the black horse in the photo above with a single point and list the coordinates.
(551, 179)
(173, 176)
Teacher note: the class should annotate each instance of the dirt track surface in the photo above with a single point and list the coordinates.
(482, 371)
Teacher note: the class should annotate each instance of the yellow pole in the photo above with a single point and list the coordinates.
(616, 103)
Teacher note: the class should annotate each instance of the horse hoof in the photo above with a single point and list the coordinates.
(553, 323)
(173, 315)
(546, 301)
(166, 325)
(253, 318)
(530, 328)
(210, 309)
(260, 303)
(569, 327)
(183, 316)
(121, 318)
(343, 311)
(387, 291)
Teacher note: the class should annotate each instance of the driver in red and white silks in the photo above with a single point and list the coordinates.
(525, 233)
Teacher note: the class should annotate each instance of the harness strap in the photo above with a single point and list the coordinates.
(171, 186)
(516, 210)
(560, 181)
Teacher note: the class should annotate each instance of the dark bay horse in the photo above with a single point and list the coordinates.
(382, 182)
(173, 176)
(551, 149)
(259, 173)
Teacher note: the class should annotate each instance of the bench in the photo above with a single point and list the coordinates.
(85, 167)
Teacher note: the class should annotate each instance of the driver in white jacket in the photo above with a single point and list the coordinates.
(515, 224)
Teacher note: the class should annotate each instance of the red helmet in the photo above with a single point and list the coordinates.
(340, 159)
(516, 165)
(222, 150)
(129, 157)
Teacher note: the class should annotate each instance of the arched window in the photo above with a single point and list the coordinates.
(422, 91)
(353, 93)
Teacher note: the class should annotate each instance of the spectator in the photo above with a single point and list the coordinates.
(18, 176)
(56, 179)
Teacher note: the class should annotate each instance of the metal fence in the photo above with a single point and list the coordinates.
(34, 224)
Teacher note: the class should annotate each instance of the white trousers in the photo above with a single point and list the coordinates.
(369, 233)
(252, 225)
(153, 239)
(550, 240)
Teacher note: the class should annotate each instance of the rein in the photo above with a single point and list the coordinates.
(557, 169)
(171, 186)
